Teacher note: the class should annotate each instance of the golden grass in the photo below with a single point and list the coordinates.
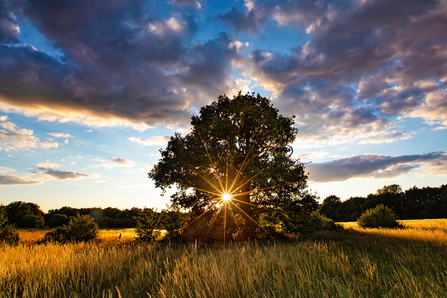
(434, 230)
(352, 263)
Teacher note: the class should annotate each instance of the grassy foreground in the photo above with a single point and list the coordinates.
(353, 263)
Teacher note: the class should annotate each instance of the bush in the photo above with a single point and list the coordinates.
(147, 224)
(80, 228)
(379, 217)
(8, 233)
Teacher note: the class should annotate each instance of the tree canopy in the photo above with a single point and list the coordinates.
(238, 147)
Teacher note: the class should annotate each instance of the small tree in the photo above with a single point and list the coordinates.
(8, 233)
(148, 225)
(378, 217)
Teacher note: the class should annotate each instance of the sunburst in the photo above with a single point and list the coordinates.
(226, 194)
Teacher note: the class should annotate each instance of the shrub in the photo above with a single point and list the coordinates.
(8, 232)
(379, 217)
(79, 228)
(147, 224)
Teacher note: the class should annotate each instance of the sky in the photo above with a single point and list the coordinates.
(91, 90)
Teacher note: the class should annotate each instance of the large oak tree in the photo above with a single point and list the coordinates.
(238, 146)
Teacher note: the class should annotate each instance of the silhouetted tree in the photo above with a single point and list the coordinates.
(8, 233)
(25, 215)
(238, 145)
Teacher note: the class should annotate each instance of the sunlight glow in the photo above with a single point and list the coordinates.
(226, 197)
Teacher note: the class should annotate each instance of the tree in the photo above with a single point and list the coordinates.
(25, 215)
(238, 147)
(8, 233)
(392, 189)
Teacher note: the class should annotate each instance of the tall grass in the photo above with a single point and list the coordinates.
(353, 263)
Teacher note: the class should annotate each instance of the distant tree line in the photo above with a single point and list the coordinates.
(414, 203)
(29, 215)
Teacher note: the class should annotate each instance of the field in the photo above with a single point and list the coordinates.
(353, 263)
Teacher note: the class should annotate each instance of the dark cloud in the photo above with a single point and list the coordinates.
(388, 55)
(371, 166)
(250, 21)
(9, 30)
(16, 180)
(121, 62)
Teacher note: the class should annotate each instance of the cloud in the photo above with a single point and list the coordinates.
(397, 136)
(356, 53)
(9, 30)
(250, 21)
(375, 166)
(49, 173)
(47, 165)
(59, 135)
(122, 65)
(4, 170)
(12, 138)
(64, 175)
(355, 67)
(17, 180)
(113, 162)
(156, 140)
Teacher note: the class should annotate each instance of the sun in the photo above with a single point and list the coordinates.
(226, 197)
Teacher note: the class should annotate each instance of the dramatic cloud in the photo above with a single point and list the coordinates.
(374, 166)
(122, 65)
(17, 180)
(355, 66)
(157, 140)
(357, 52)
(14, 138)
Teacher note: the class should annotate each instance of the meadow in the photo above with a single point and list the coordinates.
(410, 262)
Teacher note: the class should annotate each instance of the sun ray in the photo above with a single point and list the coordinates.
(211, 161)
(234, 216)
(212, 223)
(248, 216)
(240, 186)
(247, 203)
(248, 153)
(201, 176)
(225, 221)
(205, 212)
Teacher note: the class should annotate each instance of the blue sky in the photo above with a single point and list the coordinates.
(91, 90)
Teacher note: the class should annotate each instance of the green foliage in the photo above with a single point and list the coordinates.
(148, 225)
(8, 233)
(79, 228)
(173, 222)
(392, 189)
(241, 142)
(378, 217)
(25, 215)
(58, 220)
